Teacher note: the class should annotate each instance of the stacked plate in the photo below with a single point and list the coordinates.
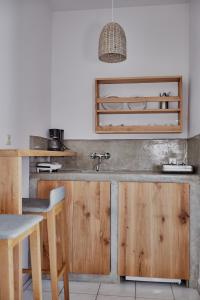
(121, 106)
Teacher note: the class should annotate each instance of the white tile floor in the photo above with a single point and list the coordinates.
(123, 291)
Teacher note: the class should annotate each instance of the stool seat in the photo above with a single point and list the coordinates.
(11, 226)
(34, 205)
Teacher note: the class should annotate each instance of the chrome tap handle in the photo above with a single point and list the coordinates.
(93, 155)
(107, 155)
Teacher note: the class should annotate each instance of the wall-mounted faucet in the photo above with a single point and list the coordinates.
(99, 157)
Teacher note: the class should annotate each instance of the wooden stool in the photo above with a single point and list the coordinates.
(14, 229)
(49, 209)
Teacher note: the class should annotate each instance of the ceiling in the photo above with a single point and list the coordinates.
(100, 4)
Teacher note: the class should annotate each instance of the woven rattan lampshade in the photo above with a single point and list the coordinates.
(112, 43)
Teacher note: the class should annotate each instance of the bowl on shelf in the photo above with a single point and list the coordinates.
(112, 106)
(137, 105)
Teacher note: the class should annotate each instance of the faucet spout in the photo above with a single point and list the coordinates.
(97, 167)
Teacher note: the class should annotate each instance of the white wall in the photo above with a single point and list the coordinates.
(35, 68)
(158, 44)
(9, 70)
(25, 66)
(34, 75)
(194, 124)
(155, 46)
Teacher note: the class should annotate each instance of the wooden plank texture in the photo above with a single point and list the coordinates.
(36, 262)
(10, 185)
(154, 230)
(139, 129)
(52, 239)
(91, 227)
(38, 153)
(136, 99)
(6, 271)
(137, 111)
(146, 79)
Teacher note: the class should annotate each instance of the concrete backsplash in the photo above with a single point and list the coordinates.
(194, 152)
(134, 155)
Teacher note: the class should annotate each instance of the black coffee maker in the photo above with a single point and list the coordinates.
(56, 141)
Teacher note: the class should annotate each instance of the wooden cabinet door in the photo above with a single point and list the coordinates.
(88, 221)
(91, 227)
(154, 230)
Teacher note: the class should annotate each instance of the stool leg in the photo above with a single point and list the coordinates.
(36, 263)
(41, 241)
(17, 252)
(51, 229)
(64, 239)
(6, 271)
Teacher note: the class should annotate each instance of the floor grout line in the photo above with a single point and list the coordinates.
(172, 292)
(27, 284)
(98, 291)
(62, 290)
(135, 289)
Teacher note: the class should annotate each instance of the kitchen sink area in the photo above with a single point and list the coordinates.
(130, 167)
(80, 178)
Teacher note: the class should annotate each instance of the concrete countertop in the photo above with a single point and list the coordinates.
(120, 175)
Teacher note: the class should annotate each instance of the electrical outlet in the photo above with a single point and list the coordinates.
(8, 140)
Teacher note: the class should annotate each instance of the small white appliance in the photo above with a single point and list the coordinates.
(148, 279)
(48, 167)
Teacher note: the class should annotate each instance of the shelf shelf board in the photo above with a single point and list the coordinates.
(138, 111)
(125, 80)
(138, 129)
(137, 99)
(38, 153)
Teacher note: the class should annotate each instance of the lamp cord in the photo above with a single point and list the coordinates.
(112, 10)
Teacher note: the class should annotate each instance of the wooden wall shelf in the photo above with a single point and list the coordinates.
(136, 99)
(147, 79)
(100, 110)
(139, 129)
(29, 153)
(138, 111)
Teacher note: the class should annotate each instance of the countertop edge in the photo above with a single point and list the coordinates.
(151, 176)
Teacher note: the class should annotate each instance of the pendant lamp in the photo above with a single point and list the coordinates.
(112, 42)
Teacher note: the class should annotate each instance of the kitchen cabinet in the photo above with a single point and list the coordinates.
(88, 217)
(154, 230)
